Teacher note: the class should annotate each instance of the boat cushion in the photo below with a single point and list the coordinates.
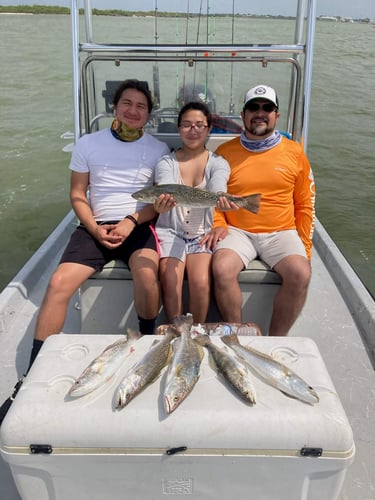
(256, 272)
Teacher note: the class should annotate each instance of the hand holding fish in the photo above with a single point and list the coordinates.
(164, 203)
(224, 204)
(194, 197)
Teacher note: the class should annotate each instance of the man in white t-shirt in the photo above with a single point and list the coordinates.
(107, 167)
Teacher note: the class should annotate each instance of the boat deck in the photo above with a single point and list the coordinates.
(332, 328)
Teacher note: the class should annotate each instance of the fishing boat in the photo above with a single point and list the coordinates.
(339, 314)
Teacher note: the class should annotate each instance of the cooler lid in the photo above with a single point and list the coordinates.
(212, 419)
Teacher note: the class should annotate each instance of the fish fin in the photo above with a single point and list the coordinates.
(251, 202)
(200, 350)
(170, 354)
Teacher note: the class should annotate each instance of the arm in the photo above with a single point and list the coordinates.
(165, 173)
(79, 183)
(304, 204)
(218, 173)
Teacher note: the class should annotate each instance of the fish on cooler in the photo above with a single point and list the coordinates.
(183, 371)
(146, 370)
(104, 366)
(233, 369)
(273, 372)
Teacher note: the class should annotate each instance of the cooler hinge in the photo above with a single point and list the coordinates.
(311, 452)
(36, 449)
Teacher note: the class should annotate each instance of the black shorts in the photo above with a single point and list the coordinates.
(84, 249)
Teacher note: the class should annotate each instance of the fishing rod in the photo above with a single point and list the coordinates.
(231, 103)
(155, 68)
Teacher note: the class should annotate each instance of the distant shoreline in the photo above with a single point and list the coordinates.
(53, 9)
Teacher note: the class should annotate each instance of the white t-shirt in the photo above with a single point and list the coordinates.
(117, 169)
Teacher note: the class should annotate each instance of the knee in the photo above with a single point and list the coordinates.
(58, 282)
(199, 288)
(224, 269)
(297, 276)
(146, 277)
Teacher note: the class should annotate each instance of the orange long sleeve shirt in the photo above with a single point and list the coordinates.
(284, 178)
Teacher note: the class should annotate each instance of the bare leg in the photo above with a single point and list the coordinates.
(199, 279)
(295, 272)
(171, 271)
(66, 279)
(144, 267)
(226, 265)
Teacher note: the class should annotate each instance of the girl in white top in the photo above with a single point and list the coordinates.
(180, 229)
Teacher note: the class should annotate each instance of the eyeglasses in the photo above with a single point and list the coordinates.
(268, 107)
(188, 126)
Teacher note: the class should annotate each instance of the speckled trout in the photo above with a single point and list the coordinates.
(195, 197)
(273, 372)
(146, 370)
(183, 372)
(104, 366)
(232, 368)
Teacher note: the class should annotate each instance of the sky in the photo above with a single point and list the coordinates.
(344, 8)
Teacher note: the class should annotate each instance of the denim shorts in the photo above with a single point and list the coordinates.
(175, 246)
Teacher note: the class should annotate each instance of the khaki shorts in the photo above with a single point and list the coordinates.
(271, 248)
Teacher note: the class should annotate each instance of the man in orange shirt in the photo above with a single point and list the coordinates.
(264, 161)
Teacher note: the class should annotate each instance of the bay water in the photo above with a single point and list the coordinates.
(36, 109)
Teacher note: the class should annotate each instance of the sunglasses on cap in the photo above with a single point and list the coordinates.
(268, 107)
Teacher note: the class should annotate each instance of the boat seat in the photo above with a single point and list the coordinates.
(256, 272)
(107, 306)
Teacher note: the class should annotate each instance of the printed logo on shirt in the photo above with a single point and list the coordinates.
(281, 169)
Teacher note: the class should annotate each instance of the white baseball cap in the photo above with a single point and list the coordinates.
(261, 92)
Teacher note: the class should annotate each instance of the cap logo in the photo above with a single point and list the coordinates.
(260, 91)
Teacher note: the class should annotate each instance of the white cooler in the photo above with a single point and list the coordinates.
(214, 445)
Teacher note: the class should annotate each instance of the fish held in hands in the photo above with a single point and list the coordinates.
(146, 370)
(183, 372)
(104, 366)
(233, 369)
(273, 372)
(194, 197)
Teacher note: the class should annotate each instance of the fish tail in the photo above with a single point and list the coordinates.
(172, 331)
(203, 339)
(252, 202)
(183, 320)
(133, 334)
(231, 339)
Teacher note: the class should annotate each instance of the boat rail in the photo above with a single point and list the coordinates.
(185, 56)
(303, 38)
